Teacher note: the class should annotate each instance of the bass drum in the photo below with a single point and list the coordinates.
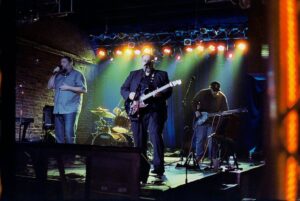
(104, 139)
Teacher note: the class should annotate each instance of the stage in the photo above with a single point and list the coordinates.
(175, 184)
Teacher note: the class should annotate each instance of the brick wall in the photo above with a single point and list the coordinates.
(34, 67)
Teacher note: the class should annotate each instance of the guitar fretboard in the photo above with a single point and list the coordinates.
(154, 92)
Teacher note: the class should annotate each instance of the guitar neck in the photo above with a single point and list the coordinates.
(149, 95)
(224, 113)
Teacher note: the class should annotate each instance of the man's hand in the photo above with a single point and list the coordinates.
(131, 95)
(56, 70)
(197, 113)
(65, 87)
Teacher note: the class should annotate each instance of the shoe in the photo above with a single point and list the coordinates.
(159, 173)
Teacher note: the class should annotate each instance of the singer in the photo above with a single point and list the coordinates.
(69, 86)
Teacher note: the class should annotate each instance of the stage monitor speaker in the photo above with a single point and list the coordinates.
(112, 174)
(48, 117)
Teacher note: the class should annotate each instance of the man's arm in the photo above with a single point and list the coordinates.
(80, 85)
(51, 82)
(66, 87)
(224, 105)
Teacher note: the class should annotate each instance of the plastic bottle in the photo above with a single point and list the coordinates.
(231, 162)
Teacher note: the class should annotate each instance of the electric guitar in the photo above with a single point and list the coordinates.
(132, 107)
(205, 115)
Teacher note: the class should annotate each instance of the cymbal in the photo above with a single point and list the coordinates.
(104, 114)
(117, 111)
(119, 129)
(101, 109)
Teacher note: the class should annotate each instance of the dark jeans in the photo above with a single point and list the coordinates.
(201, 134)
(65, 127)
(152, 123)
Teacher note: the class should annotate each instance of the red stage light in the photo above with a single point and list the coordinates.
(167, 51)
(101, 53)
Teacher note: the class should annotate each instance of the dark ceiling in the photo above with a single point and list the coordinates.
(96, 16)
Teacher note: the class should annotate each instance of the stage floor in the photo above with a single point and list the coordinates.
(174, 178)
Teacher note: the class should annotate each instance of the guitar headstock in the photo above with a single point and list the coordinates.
(175, 82)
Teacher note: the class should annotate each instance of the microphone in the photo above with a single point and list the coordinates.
(61, 70)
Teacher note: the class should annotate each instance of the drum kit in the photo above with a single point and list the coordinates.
(112, 128)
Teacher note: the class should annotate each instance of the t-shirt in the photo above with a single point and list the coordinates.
(66, 102)
(209, 103)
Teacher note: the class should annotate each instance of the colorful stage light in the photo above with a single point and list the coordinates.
(119, 52)
(241, 46)
(128, 51)
(221, 48)
(167, 51)
(178, 57)
(189, 49)
(147, 50)
(200, 48)
(230, 55)
(101, 53)
(212, 48)
(137, 52)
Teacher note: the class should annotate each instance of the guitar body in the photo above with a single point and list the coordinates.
(201, 119)
(132, 107)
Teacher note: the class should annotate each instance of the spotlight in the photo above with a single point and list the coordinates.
(128, 51)
(155, 58)
(101, 53)
(167, 51)
(241, 46)
(212, 48)
(119, 52)
(221, 48)
(187, 42)
(147, 50)
(178, 57)
(230, 55)
(189, 49)
(137, 52)
(200, 48)
(111, 59)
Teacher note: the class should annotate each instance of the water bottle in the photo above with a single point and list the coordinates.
(231, 162)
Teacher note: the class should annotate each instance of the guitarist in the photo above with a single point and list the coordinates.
(151, 118)
(207, 100)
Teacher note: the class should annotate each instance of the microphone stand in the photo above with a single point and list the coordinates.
(20, 87)
(191, 153)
